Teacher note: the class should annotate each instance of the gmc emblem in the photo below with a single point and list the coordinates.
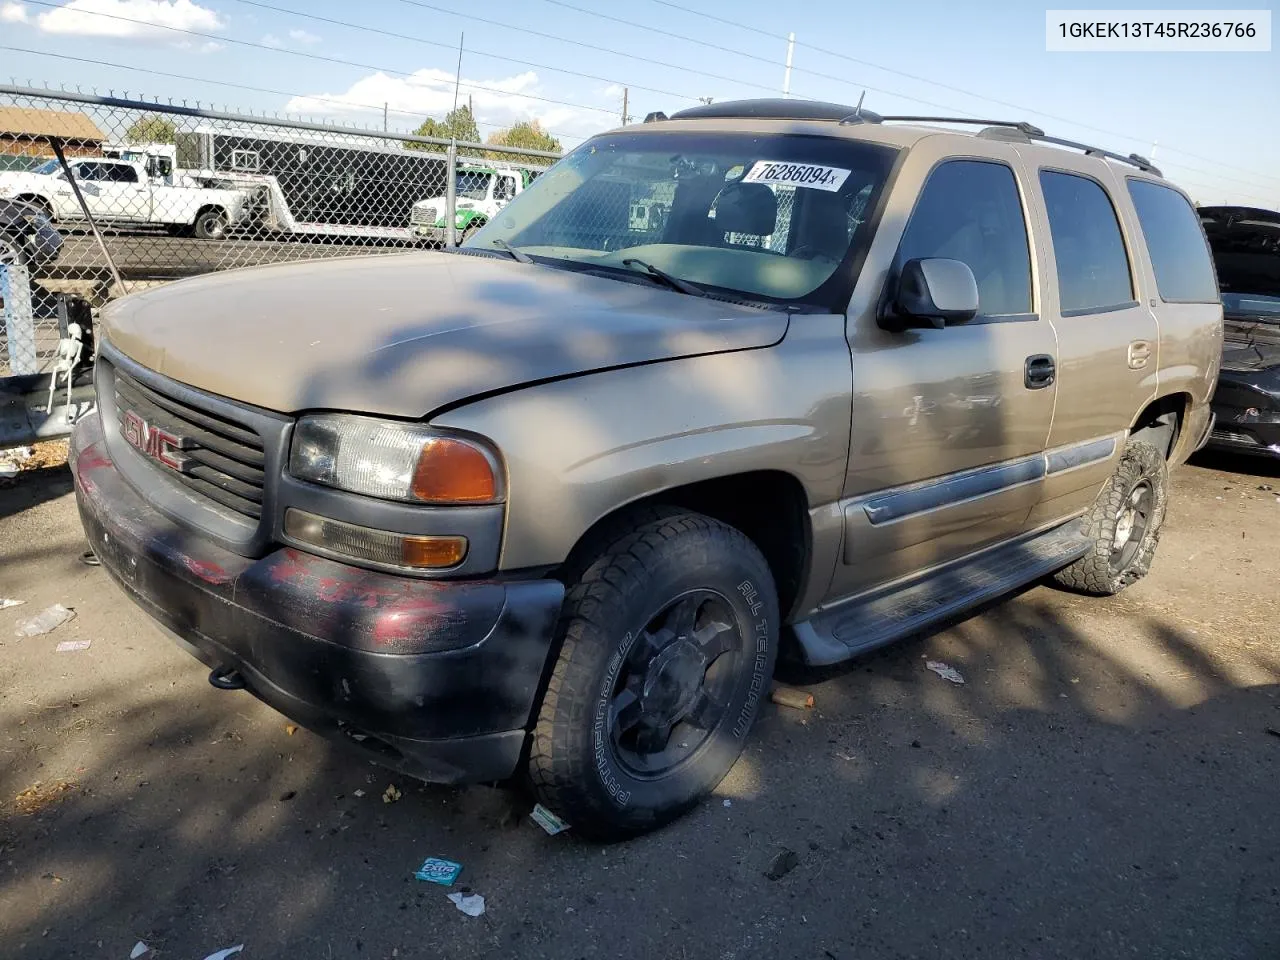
(156, 443)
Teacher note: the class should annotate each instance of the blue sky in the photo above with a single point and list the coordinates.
(1213, 116)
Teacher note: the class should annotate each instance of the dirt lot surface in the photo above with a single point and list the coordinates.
(1106, 783)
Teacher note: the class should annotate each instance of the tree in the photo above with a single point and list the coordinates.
(527, 135)
(151, 130)
(457, 124)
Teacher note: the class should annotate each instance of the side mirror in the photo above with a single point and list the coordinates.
(931, 293)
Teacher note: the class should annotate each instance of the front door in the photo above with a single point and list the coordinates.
(122, 195)
(949, 428)
(1107, 338)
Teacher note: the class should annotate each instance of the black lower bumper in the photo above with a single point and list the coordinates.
(435, 678)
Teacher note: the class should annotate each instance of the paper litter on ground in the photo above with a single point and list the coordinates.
(471, 904)
(944, 671)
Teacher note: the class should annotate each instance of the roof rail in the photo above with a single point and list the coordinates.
(1032, 132)
(1029, 129)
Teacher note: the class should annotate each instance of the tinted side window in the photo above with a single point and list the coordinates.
(1184, 272)
(1093, 268)
(122, 173)
(970, 211)
(89, 171)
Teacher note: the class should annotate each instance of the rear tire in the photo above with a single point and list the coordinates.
(1124, 524)
(210, 225)
(668, 642)
(472, 229)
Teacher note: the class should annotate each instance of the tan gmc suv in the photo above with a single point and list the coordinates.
(551, 505)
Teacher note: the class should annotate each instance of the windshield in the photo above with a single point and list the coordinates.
(773, 217)
(49, 166)
(472, 185)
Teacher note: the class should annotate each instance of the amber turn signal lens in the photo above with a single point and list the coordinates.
(434, 552)
(453, 471)
(382, 547)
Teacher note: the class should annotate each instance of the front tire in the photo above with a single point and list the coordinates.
(1124, 524)
(668, 642)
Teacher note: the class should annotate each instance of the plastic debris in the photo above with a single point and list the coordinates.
(783, 863)
(471, 904)
(791, 697)
(357, 793)
(728, 802)
(547, 820)
(71, 646)
(438, 870)
(45, 621)
(140, 949)
(391, 794)
(223, 954)
(944, 671)
(8, 470)
(6, 603)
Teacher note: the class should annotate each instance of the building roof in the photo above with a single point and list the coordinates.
(26, 122)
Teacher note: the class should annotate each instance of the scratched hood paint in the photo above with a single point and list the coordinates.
(402, 335)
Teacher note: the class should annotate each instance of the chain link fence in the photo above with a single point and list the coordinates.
(179, 191)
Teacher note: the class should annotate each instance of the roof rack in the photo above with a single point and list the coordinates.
(1020, 129)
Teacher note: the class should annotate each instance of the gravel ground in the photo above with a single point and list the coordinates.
(1104, 784)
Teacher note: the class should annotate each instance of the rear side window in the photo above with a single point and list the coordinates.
(122, 173)
(1179, 255)
(970, 211)
(1093, 268)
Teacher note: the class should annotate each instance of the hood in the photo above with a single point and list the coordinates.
(402, 335)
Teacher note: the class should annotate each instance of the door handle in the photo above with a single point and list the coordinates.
(1139, 354)
(1039, 371)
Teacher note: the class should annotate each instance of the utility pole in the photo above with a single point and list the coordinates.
(786, 80)
(384, 116)
(625, 99)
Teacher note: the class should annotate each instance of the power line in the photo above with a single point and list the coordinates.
(749, 56)
(589, 46)
(451, 47)
(946, 86)
(321, 57)
(416, 115)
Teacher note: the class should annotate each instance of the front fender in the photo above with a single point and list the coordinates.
(578, 449)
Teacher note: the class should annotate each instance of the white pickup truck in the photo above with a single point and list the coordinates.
(122, 192)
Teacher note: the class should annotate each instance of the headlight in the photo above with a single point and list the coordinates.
(393, 461)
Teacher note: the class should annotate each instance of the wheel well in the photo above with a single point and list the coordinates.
(769, 506)
(35, 200)
(1161, 422)
(210, 208)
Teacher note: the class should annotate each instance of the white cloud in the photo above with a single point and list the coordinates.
(303, 36)
(430, 92)
(271, 40)
(13, 13)
(132, 19)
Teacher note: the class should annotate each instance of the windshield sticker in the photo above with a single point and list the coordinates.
(811, 175)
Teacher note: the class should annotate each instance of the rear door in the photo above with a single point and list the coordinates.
(947, 437)
(1107, 336)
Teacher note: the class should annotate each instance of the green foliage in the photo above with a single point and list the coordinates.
(458, 124)
(527, 135)
(151, 130)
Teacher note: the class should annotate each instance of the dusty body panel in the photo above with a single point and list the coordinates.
(577, 449)
(404, 334)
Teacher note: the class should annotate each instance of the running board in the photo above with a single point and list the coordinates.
(873, 620)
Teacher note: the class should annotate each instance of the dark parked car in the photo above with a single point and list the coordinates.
(27, 236)
(1246, 248)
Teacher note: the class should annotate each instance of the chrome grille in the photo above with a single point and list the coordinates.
(225, 459)
(423, 216)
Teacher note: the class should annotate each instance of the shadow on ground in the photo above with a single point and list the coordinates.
(1073, 798)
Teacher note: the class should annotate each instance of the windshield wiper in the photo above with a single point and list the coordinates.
(675, 283)
(515, 253)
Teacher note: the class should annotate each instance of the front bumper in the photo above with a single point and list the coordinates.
(435, 234)
(435, 678)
